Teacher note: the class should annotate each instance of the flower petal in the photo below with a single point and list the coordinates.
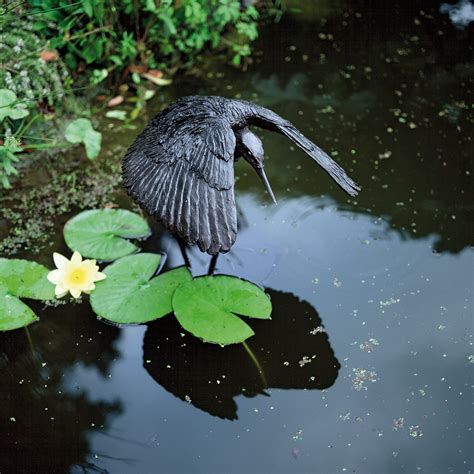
(55, 276)
(100, 276)
(60, 260)
(76, 258)
(89, 287)
(60, 291)
(75, 292)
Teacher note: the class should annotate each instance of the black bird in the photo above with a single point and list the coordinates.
(180, 169)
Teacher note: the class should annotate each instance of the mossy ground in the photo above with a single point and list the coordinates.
(31, 212)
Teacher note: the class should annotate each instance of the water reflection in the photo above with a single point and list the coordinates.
(45, 423)
(290, 352)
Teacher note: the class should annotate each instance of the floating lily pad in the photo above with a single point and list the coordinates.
(130, 294)
(208, 307)
(13, 313)
(10, 107)
(21, 278)
(101, 233)
(82, 131)
(25, 279)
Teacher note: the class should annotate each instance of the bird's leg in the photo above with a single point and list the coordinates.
(182, 247)
(212, 264)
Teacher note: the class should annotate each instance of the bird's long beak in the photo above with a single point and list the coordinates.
(263, 177)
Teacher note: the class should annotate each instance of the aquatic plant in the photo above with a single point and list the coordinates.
(132, 290)
(74, 276)
(103, 233)
(21, 279)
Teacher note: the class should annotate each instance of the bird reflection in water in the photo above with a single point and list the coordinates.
(290, 352)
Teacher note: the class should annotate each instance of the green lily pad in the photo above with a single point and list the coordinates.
(21, 278)
(25, 279)
(130, 294)
(9, 106)
(208, 307)
(13, 313)
(101, 233)
(82, 131)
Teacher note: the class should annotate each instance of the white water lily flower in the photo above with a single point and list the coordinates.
(75, 276)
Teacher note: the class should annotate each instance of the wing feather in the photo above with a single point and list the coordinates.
(183, 175)
(265, 118)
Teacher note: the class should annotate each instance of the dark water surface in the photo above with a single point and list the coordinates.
(367, 365)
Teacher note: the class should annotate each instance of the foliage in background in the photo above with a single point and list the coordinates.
(36, 82)
(28, 65)
(111, 36)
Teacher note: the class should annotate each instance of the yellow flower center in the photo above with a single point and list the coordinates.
(78, 277)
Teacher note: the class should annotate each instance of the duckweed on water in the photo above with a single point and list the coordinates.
(27, 219)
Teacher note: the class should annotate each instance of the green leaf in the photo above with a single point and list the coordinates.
(101, 233)
(116, 114)
(129, 294)
(207, 307)
(13, 313)
(21, 278)
(25, 279)
(81, 131)
(9, 107)
(86, 4)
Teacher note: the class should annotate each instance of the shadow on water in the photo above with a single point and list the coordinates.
(46, 423)
(210, 376)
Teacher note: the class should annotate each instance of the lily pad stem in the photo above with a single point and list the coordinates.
(30, 342)
(254, 359)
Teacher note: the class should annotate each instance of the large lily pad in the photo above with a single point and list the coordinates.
(101, 233)
(130, 294)
(82, 131)
(10, 107)
(21, 278)
(25, 279)
(208, 307)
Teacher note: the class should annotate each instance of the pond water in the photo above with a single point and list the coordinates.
(367, 365)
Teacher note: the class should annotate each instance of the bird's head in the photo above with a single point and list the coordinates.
(250, 147)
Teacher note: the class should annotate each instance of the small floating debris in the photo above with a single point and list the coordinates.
(305, 360)
(361, 376)
(369, 346)
(415, 431)
(385, 155)
(346, 416)
(389, 302)
(398, 423)
(298, 436)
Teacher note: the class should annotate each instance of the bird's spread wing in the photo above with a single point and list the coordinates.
(181, 170)
(264, 118)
